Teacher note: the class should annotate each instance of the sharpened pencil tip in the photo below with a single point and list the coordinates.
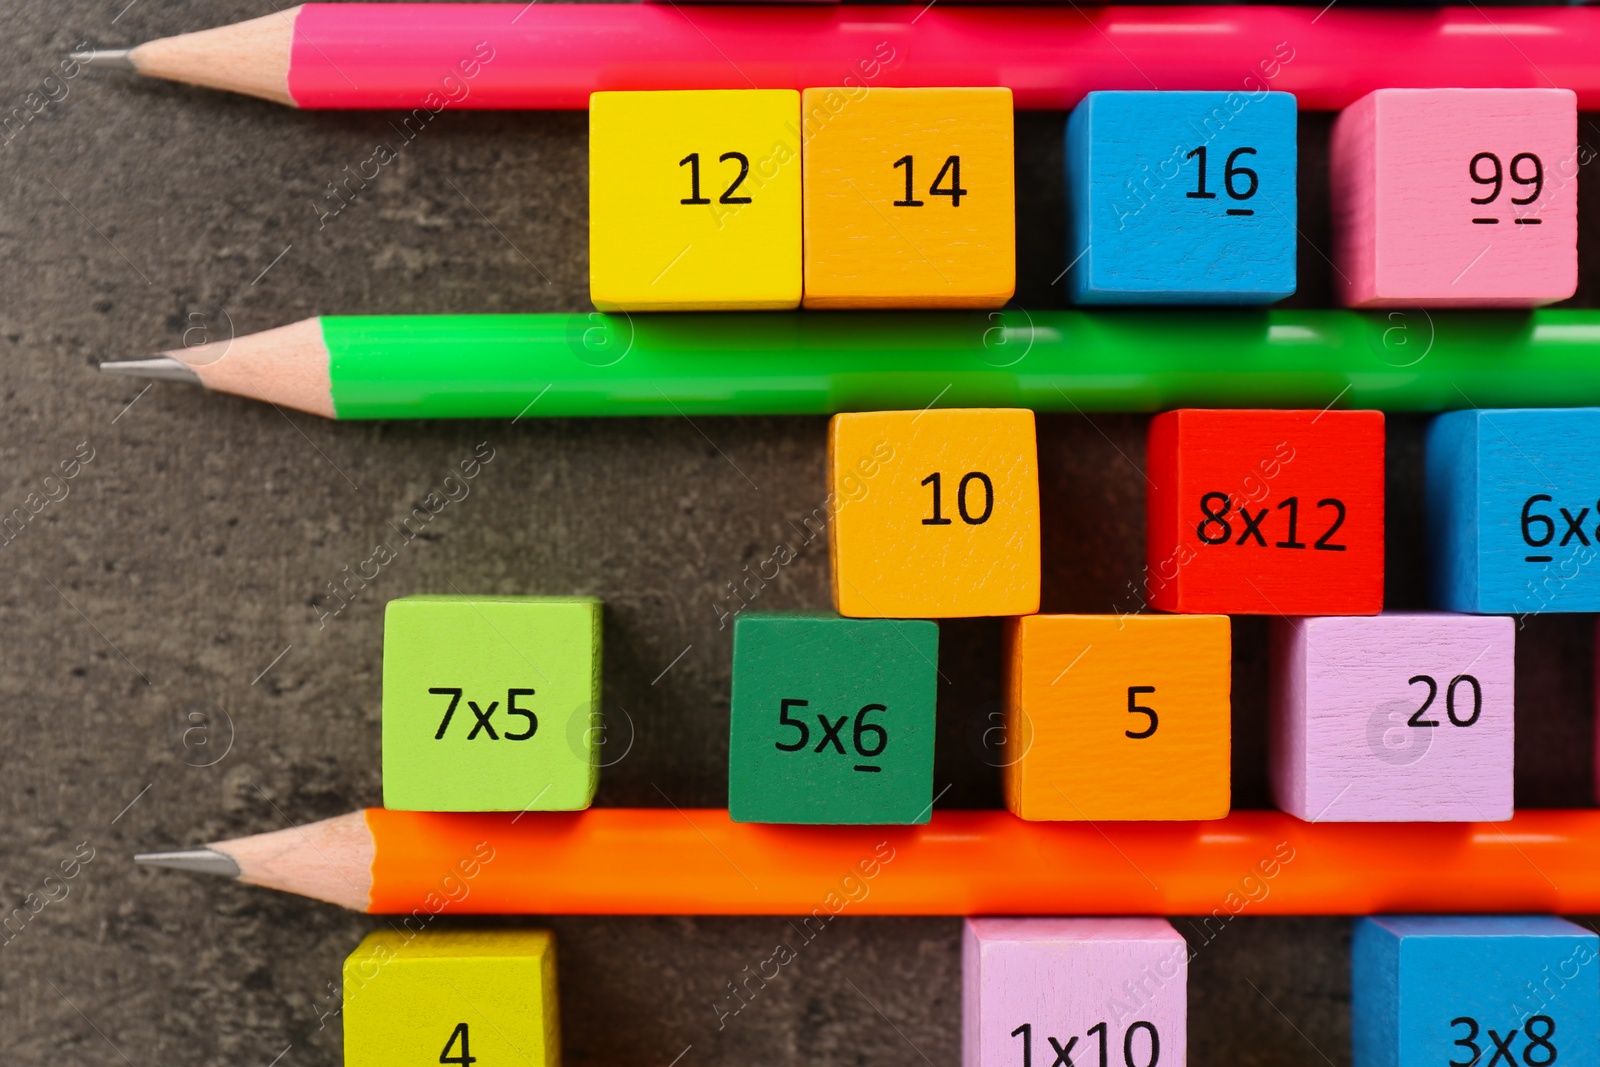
(161, 368)
(110, 58)
(198, 860)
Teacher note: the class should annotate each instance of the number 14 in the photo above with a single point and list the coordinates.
(952, 167)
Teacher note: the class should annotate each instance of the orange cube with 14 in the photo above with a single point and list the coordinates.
(1266, 512)
(909, 198)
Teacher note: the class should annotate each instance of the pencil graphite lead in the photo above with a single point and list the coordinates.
(110, 58)
(199, 860)
(161, 368)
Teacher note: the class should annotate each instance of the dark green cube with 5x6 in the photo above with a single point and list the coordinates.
(832, 719)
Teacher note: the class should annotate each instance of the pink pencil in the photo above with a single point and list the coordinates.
(538, 55)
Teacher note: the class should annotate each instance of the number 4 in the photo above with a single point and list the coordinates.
(466, 1057)
(952, 167)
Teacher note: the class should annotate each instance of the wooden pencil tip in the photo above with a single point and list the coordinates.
(198, 860)
(161, 368)
(110, 58)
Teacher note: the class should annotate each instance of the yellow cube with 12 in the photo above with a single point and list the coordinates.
(694, 200)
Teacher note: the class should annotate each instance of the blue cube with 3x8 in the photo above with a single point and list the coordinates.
(1181, 198)
(1485, 990)
(1513, 503)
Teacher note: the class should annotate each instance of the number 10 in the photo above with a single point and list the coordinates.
(967, 516)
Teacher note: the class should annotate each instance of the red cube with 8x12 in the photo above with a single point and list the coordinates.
(1265, 512)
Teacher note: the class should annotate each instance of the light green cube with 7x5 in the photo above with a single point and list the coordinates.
(490, 703)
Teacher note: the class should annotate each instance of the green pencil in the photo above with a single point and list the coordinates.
(817, 363)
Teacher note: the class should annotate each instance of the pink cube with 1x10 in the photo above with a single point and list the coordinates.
(1041, 991)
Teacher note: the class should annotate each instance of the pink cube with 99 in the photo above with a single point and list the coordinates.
(1456, 198)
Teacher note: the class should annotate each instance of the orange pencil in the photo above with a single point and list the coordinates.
(672, 861)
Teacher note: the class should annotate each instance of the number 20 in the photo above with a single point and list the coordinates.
(1449, 700)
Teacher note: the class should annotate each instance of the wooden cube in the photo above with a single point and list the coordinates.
(832, 719)
(694, 200)
(1513, 502)
(935, 513)
(909, 198)
(1265, 512)
(1181, 198)
(1042, 991)
(1118, 717)
(1456, 198)
(489, 703)
(437, 996)
(1393, 718)
(1501, 990)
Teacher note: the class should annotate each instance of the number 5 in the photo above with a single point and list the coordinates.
(784, 719)
(1134, 708)
(512, 709)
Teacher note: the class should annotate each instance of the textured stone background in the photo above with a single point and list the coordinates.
(164, 614)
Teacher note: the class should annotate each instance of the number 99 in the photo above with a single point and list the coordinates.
(1494, 176)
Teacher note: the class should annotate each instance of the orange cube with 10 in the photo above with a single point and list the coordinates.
(908, 198)
(1266, 512)
(938, 513)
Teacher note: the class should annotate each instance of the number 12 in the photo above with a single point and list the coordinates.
(692, 160)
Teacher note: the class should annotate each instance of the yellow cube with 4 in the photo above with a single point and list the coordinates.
(909, 198)
(694, 200)
(453, 997)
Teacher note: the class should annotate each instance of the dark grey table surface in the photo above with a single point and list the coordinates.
(167, 680)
